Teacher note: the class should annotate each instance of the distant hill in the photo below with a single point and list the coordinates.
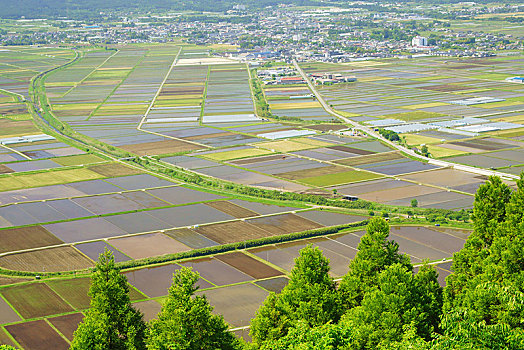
(92, 8)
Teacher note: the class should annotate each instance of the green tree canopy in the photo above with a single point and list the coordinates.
(489, 270)
(310, 296)
(375, 253)
(489, 208)
(398, 300)
(186, 321)
(111, 323)
(303, 337)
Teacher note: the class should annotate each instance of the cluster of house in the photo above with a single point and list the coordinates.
(519, 80)
(331, 78)
(280, 76)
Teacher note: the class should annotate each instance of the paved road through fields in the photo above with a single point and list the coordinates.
(401, 148)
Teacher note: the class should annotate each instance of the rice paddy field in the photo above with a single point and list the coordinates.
(173, 100)
(60, 206)
(294, 101)
(49, 310)
(462, 109)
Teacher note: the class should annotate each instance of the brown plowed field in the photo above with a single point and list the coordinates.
(74, 291)
(249, 265)
(4, 338)
(145, 246)
(112, 170)
(37, 335)
(230, 232)
(5, 170)
(14, 239)
(35, 300)
(50, 260)
(67, 324)
(160, 147)
(232, 209)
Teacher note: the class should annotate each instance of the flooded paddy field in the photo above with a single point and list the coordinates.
(235, 283)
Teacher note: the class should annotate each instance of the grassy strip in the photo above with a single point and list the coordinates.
(261, 106)
(208, 183)
(41, 107)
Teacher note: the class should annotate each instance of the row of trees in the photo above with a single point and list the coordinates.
(381, 303)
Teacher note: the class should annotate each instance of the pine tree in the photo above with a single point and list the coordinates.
(375, 253)
(111, 323)
(310, 296)
(186, 321)
(399, 300)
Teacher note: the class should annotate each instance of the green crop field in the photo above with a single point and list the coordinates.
(47, 178)
(241, 153)
(339, 178)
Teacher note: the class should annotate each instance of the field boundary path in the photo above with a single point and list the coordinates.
(401, 148)
(173, 64)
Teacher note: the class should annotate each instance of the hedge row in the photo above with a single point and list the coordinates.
(240, 245)
(200, 252)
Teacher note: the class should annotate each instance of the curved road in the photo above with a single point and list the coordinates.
(401, 148)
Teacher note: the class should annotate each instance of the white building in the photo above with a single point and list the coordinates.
(419, 41)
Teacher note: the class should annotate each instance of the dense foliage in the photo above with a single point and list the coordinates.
(389, 134)
(384, 305)
(310, 297)
(186, 322)
(111, 322)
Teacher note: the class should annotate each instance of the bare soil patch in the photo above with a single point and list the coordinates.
(249, 265)
(67, 324)
(232, 209)
(160, 147)
(230, 232)
(49, 260)
(37, 335)
(35, 300)
(13, 239)
(114, 169)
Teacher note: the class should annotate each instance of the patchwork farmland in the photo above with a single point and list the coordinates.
(183, 110)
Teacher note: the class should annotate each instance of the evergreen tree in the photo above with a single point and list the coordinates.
(310, 296)
(303, 337)
(489, 208)
(186, 321)
(461, 331)
(489, 270)
(111, 323)
(515, 205)
(375, 253)
(398, 300)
